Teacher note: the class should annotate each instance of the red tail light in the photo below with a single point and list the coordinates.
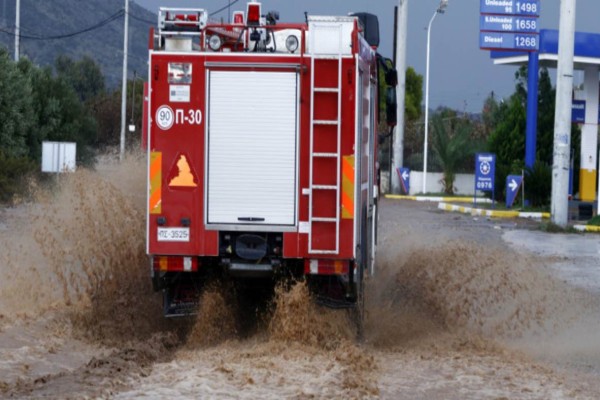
(238, 18)
(253, 14)
(174, 263)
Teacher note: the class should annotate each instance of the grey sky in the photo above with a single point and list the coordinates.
(461, 75)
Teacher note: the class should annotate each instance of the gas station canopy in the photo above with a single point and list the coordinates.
(586, 58)
(587, 51)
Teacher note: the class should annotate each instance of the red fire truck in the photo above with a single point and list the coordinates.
(262, 143)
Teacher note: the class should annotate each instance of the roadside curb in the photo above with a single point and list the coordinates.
(587, 228)
(442, 205)
(492, 213)
(436, 199)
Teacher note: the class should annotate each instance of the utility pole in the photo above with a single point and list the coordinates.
(562, 120)
(124, 83)
(17, 29)
(400, 61)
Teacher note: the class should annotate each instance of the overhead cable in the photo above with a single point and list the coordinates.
(223, 8)
(98, 25)
(108, 20)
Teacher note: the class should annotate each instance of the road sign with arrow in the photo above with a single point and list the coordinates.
(404, 174)
(513, 183)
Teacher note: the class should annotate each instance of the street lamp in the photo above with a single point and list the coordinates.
(440, 10)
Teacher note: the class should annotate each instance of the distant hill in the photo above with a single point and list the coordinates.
(42, 18)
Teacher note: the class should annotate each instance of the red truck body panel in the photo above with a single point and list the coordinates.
(334, 176)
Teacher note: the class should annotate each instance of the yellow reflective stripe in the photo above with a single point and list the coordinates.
(155, 183)
(348, 187)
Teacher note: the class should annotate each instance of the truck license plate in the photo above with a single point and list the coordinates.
(173, 234)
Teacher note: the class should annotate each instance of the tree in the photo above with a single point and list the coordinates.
(414, 95)
(490, 114)
(106, 109)
(412, 112)
(507, 141)
(508, 123)
(58, 114)
(545, 126)
(15, 108)
(453, 144)
(413, 127)
(84, 76)
(35, 106)
(546, 104)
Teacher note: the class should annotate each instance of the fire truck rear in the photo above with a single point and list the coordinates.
(262, 143)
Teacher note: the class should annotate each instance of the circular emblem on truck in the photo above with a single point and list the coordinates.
(165, 117)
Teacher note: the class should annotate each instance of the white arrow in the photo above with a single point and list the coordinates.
(405, 175)
(513, 185)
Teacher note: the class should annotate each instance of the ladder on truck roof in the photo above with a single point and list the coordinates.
(325, 143)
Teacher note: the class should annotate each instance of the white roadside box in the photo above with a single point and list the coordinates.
(58, 156)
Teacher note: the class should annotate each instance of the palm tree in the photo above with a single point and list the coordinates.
(453, 144)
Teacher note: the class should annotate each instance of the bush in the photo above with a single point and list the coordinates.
(538, 184)
(594, 221)
(13, 177)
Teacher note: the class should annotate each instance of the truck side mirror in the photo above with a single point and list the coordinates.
(390, 106)
(391, 77)
(370, 24)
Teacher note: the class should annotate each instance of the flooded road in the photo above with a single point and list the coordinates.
(459, 308)
(576, 257)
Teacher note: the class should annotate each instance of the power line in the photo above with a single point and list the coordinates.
(98, 25)
(210, 13)
(223, 8)
(115, 16)
(139, 19)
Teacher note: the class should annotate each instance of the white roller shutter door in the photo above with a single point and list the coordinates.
(252, 148)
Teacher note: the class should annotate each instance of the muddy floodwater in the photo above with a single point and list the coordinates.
(459, 308)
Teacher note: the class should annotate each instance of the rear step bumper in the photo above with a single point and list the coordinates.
(337, 304)
(250, 270)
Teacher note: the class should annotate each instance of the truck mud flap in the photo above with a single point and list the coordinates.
(332, 291)
(182, 299)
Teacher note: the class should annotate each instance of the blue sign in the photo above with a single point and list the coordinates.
(509, 41)
(510, 7)
(485, 170)
(508, 23)
(513, 183)
(578, 112)
(404, 174)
